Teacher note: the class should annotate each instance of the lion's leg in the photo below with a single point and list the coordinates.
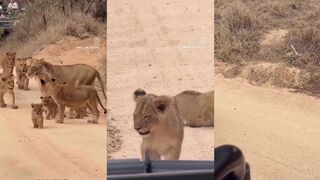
(26, 84)
(153, 154)
(14, 106)
(40, 122)
(55, 112)
(71, 113)
(35, 123)
(48, 114)
(95, 113)
(173, 154)
(2, 101)
(61, 113)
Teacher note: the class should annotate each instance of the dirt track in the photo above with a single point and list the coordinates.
(164, 47)
(278, 131)
(73, 150)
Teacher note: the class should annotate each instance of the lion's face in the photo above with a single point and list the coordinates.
(35, 67)
(22, 65)
(47, 100)
(51, 83)
(148, 112)
(144, 117)
(8, 82)
(37, 108)
(11, 59)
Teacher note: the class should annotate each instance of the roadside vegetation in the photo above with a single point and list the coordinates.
(48, 21)
(241, 27)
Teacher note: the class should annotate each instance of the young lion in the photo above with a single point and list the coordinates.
(21, 72)
(8, 62)
(50, 105)
(196, 109)
(36, 115)
(70, 96)
(156, 120)
(6, 86)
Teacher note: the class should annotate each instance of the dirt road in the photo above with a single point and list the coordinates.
(278, 131)
(73, 150)
(164, 47)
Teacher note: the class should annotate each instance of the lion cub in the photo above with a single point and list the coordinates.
(36, 115)
(156, 120)
(21, 72)
(50, 105)
(6, 86)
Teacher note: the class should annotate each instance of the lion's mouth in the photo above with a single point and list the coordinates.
(144, 133)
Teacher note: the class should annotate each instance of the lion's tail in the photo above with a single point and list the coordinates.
(99, 101)
(101, 84)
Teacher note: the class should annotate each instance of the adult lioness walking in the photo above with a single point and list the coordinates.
(75, 74)
(71, 96)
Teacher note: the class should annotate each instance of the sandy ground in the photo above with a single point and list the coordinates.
(277, 130)
(73, 150)
(164, 47)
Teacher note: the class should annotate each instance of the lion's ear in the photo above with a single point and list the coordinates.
(161, 103)
(4, 79)
(41, 97)
(137, 94)
(32, 105)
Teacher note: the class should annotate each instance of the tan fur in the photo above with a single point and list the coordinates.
(21, 72)
(8, 62)
(156, 120)
(196, 109)
(36, 115)
(6, 86)
(50, 105)
(70, 96)
(78, 113)
(76, 74)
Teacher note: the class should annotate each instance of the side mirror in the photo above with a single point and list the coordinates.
(229, 164)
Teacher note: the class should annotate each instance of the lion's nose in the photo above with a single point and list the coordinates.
(137, 128)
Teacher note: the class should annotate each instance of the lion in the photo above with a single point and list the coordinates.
(50, 105)
(78, 113)
(8, 62)
(76, 74)
(21, 72)
(36, 115)
(196, 109)
(156, 120)
(72, 96)
(6, 86)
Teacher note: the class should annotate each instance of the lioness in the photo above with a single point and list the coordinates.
(72, 96)
(156, 120)
(50, 105)
(76, 74)
(21, 72)
(36, 115)
(8, 63)
(196, 109)
(6, 86)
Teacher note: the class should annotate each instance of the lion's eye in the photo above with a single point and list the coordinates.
(146, 117)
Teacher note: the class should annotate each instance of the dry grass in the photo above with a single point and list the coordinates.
(31, 32)
(236, 31)
(240, 25)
